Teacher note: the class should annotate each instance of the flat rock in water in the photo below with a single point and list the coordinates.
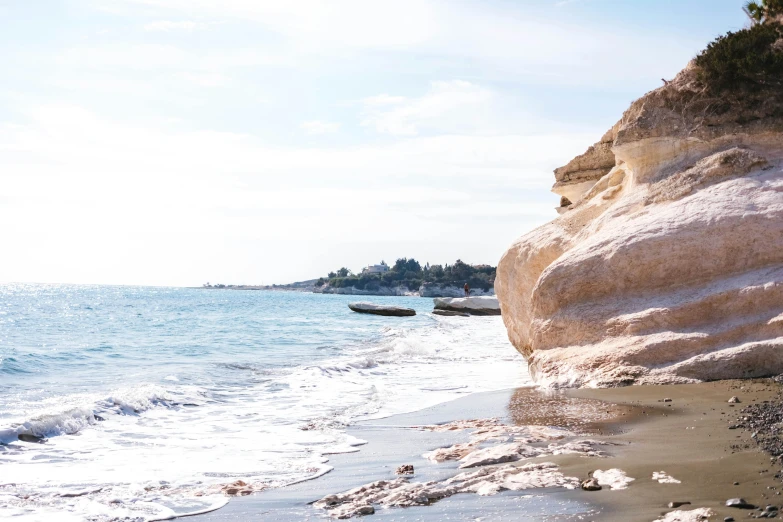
(370, 308)
(450, 313)
(26, 437)
(469, 305)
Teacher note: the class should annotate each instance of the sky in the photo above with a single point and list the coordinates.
(175, 142)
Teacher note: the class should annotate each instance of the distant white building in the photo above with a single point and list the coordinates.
(376, 269)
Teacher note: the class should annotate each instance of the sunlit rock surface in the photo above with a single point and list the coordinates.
(667, 266)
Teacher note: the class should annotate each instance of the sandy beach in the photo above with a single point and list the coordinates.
(686, 440)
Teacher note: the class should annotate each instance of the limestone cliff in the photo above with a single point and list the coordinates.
(666, 264)
(582, 172)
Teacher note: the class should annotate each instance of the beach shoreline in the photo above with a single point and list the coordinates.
(687, 438)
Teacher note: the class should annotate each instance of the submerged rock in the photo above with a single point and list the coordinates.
(668, 265)
(469, 305)
(371, 308)
(27, 437)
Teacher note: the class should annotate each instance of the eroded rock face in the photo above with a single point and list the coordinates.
(668, 267)
(582, 172)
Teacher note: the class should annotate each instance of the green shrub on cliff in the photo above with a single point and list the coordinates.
(748, 59)
(764, 10)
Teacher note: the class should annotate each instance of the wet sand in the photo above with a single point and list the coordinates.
(688, 438)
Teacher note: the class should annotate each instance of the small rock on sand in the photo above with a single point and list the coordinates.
(591, 484)
(739, 503)
(238, 488)
(678, 504)
(734, 400)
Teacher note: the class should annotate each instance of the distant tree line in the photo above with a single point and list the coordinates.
(410, 274)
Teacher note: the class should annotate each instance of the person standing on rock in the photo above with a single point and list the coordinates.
(467, 290)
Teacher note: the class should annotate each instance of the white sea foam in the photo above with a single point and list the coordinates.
(152, 450)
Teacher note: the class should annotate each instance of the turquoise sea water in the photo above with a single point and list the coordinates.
(150, 399)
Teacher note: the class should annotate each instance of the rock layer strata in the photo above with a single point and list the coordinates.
(667, 265)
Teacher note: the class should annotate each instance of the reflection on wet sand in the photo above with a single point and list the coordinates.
(533, 406)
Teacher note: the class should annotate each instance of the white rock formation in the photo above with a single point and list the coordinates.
(351, 290)
(613, 478)
(484, 481)
(470, 305)
(664, 478)
(693, 515)
(669, 266)
(438, 290)
(509, 444)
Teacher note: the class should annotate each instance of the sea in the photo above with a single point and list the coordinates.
(140, 403)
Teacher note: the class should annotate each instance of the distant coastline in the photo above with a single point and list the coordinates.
(405, 278)
(301, 286)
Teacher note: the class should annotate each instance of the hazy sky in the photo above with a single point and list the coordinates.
(173, 142)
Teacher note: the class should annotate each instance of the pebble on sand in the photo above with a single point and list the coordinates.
(739, 503)
(591, 484)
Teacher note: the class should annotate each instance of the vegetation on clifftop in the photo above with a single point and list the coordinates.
(750, 59)
(410, 274)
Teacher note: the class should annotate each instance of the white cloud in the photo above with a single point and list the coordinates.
(155, 205)
(502, 37)
(320, 127)
(447, 105)
(125, 57)
(167, 25)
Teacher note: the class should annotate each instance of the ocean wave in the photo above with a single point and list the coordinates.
(68, 422)
(52, 421)
(137, 399)
(272, 399)
(10, 365)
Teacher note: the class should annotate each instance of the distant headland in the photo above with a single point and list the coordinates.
(405, 277)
